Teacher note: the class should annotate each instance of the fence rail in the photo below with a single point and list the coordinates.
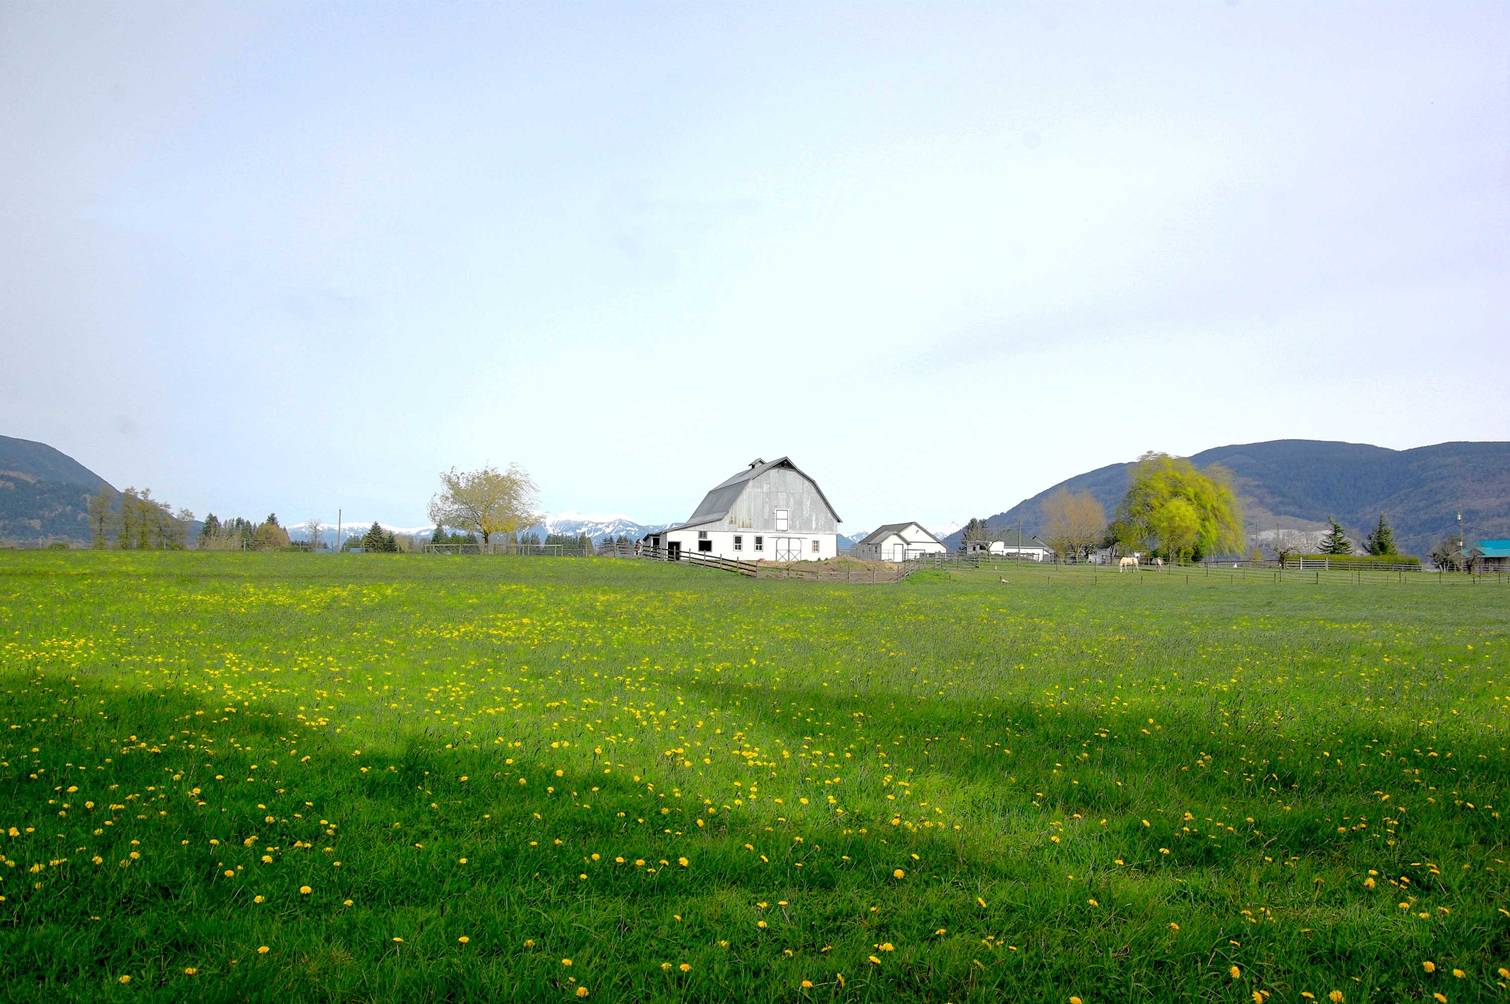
(748, 568)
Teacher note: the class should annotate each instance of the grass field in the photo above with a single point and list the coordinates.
(256, 777)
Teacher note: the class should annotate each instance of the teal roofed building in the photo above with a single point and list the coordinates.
(1493, 555)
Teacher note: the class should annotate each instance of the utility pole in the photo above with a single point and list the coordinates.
(338, 531)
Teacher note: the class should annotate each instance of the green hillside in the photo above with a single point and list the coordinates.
(1289, 481)
(43, 492)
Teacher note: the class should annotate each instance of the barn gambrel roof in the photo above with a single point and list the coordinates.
(716, 504)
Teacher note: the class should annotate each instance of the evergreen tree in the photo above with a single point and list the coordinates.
(210, 530)
(1335, 542)
(975, 530)
(1382, 540)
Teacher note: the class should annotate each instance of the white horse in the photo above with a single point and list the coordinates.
(1128, 562)
(1158, 562)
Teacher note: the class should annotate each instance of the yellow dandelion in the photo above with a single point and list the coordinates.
(1429, 966)
(125, 979)
(685, 967)
(566, 962)
(581, 991)
(1336, 997)
(1459, 973)
(190, 971)
(1439, 996)
(463, 939)
(682, 862)
(807, 984)
(1075, 1000)
(873, 960)
(1235, 973)
(898, 874)
(263, 949)
(305, 890)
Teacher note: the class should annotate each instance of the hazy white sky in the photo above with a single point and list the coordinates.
(294, 257)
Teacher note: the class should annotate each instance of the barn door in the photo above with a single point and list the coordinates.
(898, 552)
(788, 548)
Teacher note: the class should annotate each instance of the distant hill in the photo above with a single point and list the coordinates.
(1297, 483)
(43, 492)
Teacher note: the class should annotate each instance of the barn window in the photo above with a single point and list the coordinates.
(760, 543)
(705, 544)
(815, 547)
(781, 519)
(739, 542)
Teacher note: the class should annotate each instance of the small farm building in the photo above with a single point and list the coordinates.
(1494, 555)
(1012, 544)
(770, 511)
(898, 542)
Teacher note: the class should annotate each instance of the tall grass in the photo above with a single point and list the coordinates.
(696, 786)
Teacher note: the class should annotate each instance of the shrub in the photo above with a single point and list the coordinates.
(1353, 562)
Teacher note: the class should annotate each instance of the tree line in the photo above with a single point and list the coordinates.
(132, 520)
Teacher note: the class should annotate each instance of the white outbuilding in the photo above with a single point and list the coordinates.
(1012, 544)
(898, 542)
(770, 511)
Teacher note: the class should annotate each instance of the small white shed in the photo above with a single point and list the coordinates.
(898, 542)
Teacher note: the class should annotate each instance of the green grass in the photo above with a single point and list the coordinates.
(1113, 787)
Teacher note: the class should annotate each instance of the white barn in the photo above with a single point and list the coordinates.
(1012, 544)
(770, 511)
(898, 542)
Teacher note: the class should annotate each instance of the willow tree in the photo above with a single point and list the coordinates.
(1177, 511)
(485, 501)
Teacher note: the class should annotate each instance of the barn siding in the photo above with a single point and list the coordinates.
(782, 489)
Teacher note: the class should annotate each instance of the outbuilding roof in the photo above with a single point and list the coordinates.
(1495, 548)
(880, 533)
(716, 504)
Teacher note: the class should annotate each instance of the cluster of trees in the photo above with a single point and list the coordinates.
(1380, 543)
(1171, 510)
(238, 534)
(135, 520)
(375, 539)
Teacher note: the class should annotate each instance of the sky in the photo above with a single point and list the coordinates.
(300, 258)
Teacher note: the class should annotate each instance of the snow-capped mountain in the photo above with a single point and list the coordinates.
(597, 526)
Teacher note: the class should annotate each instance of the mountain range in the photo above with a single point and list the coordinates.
(566, 524)
(1295, 485)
